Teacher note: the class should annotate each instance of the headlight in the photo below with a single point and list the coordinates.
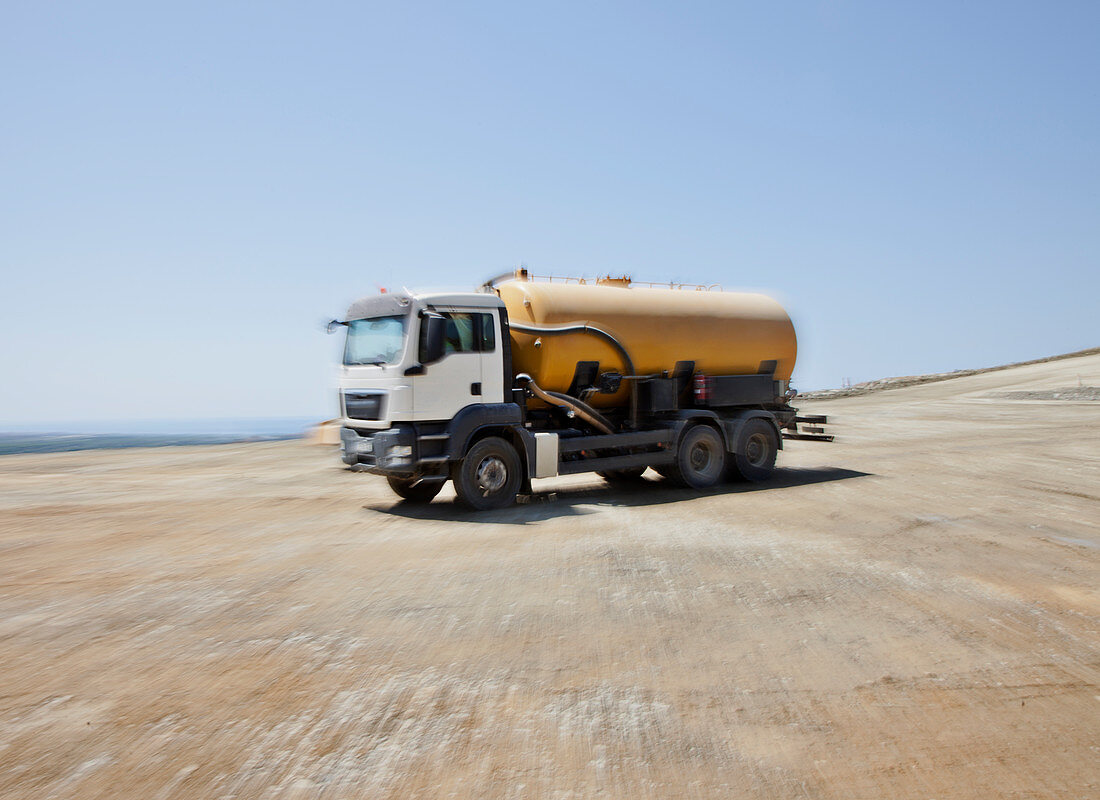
(400, 451)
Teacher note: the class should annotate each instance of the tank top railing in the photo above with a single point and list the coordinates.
(698, 287)
(607, 280)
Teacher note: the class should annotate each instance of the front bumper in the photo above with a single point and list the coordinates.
(387, 452)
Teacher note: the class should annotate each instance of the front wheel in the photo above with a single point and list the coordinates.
(701, 459)
(414, 491)
(757, 446)
(489, 476)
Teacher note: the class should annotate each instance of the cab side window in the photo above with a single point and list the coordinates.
(467, 333)
(459, 333)
(487, 334)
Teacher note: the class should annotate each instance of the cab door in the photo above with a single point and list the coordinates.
(458, 379)
(493, 379)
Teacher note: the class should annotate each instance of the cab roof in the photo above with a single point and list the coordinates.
(389, 304)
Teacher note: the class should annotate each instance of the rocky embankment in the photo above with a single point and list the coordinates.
(883, 384)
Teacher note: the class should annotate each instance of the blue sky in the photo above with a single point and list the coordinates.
(190, 190)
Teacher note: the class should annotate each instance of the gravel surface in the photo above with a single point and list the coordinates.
(910, 612)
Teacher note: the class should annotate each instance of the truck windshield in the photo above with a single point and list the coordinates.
(379, 340)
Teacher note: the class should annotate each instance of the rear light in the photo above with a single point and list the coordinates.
(703, 389)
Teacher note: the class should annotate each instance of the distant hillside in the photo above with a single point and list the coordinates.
(882, 384)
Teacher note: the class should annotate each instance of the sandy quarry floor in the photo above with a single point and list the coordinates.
(911, 612)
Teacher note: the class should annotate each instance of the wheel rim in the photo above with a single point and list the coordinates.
(700, 457)
(492, 474)
(756, 449)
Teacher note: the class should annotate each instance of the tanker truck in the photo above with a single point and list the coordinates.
(530, 378)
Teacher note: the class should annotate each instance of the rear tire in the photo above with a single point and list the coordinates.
(489, 476)
(757, 447)
(622, 477)
(701, 459)
(414, 490)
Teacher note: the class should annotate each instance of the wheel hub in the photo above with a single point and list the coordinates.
(492, 474)
(700, 457)
(756, 449)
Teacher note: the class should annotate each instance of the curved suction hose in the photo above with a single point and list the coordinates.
(580, 327)
(582, 410)
(491, 284)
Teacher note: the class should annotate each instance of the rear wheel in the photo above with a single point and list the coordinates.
(624, 476)
(489, 476)
(757, 447)
(414, 490)
(701, 459)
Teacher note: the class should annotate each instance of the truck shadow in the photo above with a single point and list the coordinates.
(577, 501)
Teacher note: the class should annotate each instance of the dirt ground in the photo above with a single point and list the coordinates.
(910, 612)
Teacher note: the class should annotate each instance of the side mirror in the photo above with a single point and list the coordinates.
(334, 325)
(432, 329)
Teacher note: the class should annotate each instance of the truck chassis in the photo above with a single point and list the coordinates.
(692, 447)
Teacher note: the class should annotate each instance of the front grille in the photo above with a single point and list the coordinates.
(364, 405)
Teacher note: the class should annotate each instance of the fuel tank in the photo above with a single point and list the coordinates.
(724, 333)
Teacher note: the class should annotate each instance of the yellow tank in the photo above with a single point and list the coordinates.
(724, 333)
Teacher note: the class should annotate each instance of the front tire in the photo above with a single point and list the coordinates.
(413, 490)
(757, 447)
(701, 459)
(489, 476)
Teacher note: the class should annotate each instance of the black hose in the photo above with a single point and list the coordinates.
(582, 327)
(580, 405)
(582, 410)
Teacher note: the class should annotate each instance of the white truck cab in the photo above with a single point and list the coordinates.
(413, 366)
